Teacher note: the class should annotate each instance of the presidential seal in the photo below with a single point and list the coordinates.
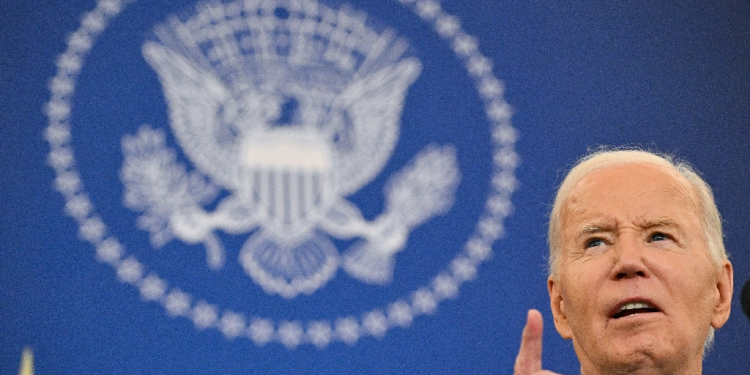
(279, 113)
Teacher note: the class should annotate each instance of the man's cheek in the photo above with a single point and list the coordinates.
(562, 324)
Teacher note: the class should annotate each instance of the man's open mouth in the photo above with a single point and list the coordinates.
(634, 308)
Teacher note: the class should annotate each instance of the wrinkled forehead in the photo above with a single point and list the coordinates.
(623, 183)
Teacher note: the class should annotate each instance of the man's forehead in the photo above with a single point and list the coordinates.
(623, 187)
(637, 174)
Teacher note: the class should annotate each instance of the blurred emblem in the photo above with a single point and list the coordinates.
(289, 115)
(280, 111)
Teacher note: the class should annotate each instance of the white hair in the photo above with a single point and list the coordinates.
(607, 157)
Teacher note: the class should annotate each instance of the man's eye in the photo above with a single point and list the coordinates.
(658, 237)
(594, 242)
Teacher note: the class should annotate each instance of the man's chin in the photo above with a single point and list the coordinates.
(636, 333)
(621, 359)
(628, 351)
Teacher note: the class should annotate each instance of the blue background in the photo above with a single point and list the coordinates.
(674, 77)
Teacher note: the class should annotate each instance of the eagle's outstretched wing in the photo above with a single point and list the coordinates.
(196, 100)
(372, 107)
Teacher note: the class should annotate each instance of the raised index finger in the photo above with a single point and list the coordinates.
(529, 359)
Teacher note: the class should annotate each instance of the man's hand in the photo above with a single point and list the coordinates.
(529, 360)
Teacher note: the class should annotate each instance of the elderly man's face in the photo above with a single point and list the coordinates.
(636, 286)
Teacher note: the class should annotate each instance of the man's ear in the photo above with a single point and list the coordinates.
(558, 309)
(724, 287)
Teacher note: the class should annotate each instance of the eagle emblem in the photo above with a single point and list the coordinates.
(283, 113)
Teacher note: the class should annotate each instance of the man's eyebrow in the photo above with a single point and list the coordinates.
(594, 228)
(661, 223)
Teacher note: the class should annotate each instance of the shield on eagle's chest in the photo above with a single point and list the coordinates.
(289, 180)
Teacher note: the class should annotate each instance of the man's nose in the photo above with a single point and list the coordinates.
(629, 258)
